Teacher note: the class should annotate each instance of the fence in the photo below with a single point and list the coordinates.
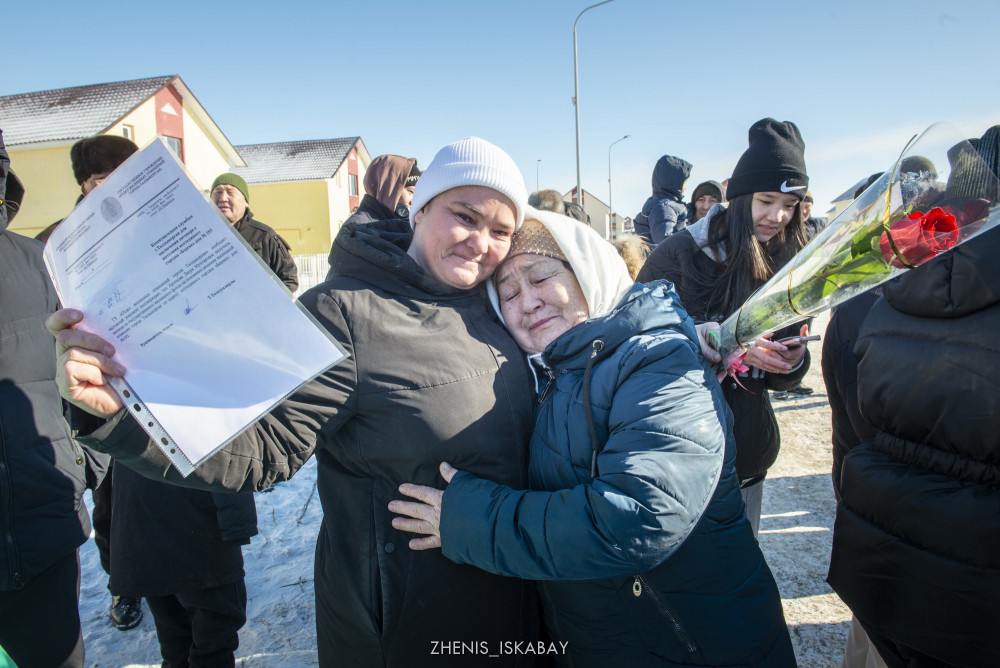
(312, 270)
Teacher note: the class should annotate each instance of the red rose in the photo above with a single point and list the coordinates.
(919, 237)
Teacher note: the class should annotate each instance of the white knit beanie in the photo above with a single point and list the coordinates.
(471, 162)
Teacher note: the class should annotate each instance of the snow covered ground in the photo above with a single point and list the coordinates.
(795, 535)
(280, 629)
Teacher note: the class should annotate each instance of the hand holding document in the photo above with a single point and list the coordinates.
(211, 338)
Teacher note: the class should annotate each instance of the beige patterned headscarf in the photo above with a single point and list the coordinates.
(599, 269)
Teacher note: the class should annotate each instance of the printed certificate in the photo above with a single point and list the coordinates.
(211, 338)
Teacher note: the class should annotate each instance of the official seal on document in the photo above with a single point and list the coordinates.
(111, 209)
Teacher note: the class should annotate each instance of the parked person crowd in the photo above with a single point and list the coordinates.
(542, 437)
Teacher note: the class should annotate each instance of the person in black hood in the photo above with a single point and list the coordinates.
(664, 213)
(389, 184)
(43, 471)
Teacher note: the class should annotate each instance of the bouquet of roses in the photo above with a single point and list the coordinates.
(938, 194)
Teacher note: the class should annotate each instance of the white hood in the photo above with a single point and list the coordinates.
(601, 272)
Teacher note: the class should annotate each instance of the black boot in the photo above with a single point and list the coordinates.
(126, 612)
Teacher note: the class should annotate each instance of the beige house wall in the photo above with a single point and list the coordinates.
(143, 122)
(203, 157)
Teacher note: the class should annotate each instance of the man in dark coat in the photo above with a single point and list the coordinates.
(43, 471)
(664, 213)
(231, 194)
(93, 159)
(916, 544)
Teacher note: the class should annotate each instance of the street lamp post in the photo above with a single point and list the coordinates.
(538, 162)
(611, 209)
(576, 101)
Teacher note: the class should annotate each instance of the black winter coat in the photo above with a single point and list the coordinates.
(167, 539)
(42, 469)
(664, 213)
(272, 249)
(680, 259)
(368, 211)
(916, 546)
(840, 375)
(431, 376)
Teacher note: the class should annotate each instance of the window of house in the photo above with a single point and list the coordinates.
(352, 185)
(175, 145)
(128, 131)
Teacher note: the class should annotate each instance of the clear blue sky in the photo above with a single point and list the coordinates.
(681, 77)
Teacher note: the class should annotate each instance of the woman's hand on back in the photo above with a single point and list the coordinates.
(82, 362)
(424, 515)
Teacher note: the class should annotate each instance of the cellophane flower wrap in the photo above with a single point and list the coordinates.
(937, 195)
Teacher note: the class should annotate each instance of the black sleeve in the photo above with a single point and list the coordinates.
(279, 259)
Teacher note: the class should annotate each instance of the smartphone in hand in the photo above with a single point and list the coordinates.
(796, 341)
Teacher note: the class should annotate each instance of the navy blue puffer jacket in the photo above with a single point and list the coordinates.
(651, 562)
(664, 213)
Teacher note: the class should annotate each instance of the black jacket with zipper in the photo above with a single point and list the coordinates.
(42, 469)
(916, 543)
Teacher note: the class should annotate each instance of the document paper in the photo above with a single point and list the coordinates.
(211, 338)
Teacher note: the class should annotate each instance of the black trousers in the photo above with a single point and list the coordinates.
(40, 623)
(200, 628)
(101, 519)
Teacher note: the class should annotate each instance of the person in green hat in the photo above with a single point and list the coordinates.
(232, 196)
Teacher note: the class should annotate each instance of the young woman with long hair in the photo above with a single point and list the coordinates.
(722, 259)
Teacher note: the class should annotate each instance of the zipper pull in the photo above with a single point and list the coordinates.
(548, 385)
(637, 587)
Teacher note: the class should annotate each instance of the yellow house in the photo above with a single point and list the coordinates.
(305, 189)
(39, 129)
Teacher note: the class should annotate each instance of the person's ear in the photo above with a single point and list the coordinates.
(417, 216)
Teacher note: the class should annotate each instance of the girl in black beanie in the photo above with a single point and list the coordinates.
(722, 259)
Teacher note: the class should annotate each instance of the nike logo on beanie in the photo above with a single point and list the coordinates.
(785, 188)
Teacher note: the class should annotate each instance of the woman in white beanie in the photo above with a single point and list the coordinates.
(633, 520)
(431, 375)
